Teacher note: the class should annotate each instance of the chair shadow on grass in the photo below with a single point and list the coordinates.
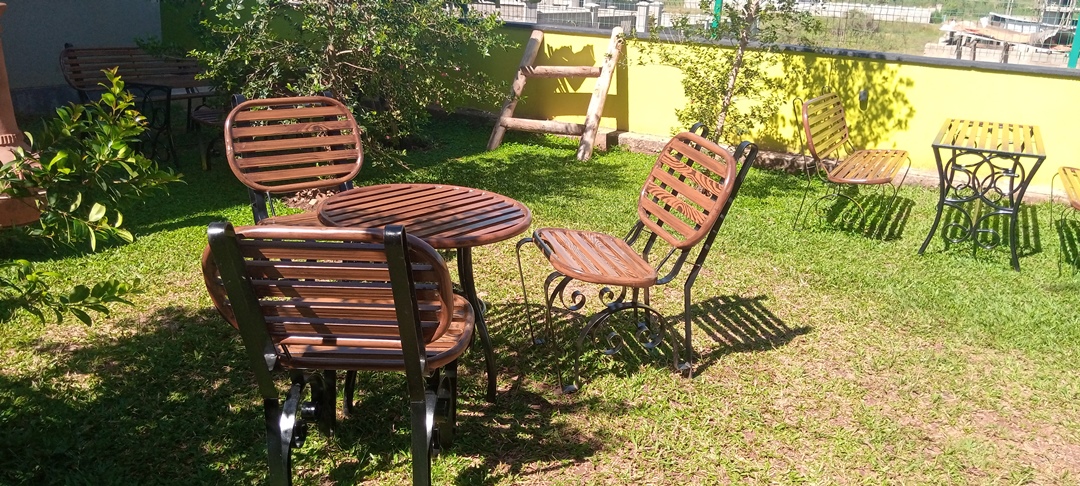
(1068, 232)
(880, 217)
(156, 396)
(738, 325)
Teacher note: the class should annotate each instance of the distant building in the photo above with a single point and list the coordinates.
(1060, 12)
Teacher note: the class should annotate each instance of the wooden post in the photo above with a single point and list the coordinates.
(596, 104)
(527, 60)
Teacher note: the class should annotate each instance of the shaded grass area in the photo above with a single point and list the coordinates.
(832, 354)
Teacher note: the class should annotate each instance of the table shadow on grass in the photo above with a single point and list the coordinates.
(992, 233)
(740, 324)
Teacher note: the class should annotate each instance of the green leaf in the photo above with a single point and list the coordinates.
(79, 293)
(125, 235)
(76, 203)
(59, 159)
(37, 313)
(82, 316)
(97, 211)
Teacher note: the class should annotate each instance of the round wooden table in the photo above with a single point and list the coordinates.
(446, 217)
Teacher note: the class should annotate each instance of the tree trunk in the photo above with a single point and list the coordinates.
(751, 13)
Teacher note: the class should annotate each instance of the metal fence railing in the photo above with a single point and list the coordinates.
(1035, 32)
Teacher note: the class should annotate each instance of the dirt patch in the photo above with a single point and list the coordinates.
(307, 199)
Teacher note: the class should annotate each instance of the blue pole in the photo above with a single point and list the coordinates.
(1075, 47)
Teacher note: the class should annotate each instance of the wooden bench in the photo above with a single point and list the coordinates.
(82, 68)
(156, 81)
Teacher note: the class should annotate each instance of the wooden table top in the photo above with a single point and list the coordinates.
(442, 215)
(991, 137)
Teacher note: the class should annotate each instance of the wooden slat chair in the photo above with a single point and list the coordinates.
(284, 145)
(685, 199)
(313, 300)
(1070, 181)
(826, 131)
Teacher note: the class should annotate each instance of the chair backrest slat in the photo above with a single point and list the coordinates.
(331, 287)
(289, 144)
(825, 126)
(686, 189)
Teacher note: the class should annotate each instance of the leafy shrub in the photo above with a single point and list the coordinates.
(24, 287)
(388, 60)
(87, 161)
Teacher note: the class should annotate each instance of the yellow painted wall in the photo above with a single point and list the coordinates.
(906, 107)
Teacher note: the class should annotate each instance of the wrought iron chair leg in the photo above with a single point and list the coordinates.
(350, 389)
(1067, 213)
(579, 346)
(278, 459)
(686, 367)
(324, 398)
(894, 201)
(422, 413)
(524, 293)
(284, 430)
(444, 384)
(806, 191)
(838, 193)
(1061, 228)
(551, 295)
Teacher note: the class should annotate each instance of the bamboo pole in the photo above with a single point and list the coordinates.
(527, 60)
(596, 104)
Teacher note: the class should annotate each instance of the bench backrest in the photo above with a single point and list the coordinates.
(825, 126)
(305, 290)
(290, 144)
(82, 66)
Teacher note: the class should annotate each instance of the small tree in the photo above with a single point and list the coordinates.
(715, 77)
(87, 161)
(389, 60)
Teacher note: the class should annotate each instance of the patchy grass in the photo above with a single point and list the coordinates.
(834, 354)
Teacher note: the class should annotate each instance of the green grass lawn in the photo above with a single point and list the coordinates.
(834, 354)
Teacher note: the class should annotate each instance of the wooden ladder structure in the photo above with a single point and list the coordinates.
(528, 69)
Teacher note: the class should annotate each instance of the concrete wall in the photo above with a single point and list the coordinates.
(34, 33)
(909, 98)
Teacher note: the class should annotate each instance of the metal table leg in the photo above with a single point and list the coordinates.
(468, 285)
(942, 192)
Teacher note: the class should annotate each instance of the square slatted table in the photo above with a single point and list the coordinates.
(444, 216)
(989, 164)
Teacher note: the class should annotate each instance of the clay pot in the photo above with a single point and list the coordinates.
(15, 211)
(18, 210)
